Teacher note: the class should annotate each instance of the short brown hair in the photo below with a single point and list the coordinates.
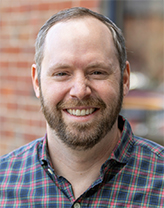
(78, 12)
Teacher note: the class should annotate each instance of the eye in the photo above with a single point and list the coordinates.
(98, 74)
(60, 74)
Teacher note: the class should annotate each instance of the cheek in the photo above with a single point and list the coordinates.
(108, 91)
(54, 92)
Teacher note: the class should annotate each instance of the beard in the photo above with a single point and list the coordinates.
(82, 136)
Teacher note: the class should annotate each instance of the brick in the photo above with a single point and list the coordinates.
(4, 64)
(4, 148)
(20, 118)
(8, 133)
(17, 50)
(6, 91)
(89, 3)
(65, 5)
(10, 50)
(43, 6)
(23, 64)
(12, 106)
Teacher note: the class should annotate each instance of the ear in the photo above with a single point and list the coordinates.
(126, 79)
(35, 80)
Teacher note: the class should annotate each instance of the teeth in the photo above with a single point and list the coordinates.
(82, 112)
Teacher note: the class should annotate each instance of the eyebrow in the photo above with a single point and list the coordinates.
(90, 65)
(100, 65)
(59, 66)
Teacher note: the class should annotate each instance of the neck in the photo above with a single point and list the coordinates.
(80, 167)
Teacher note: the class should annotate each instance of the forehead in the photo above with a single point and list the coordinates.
(79, 42)
(82, 19)
(80, 27)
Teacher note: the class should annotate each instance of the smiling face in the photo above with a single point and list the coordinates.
(80, 85)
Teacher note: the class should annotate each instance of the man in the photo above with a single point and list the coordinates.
(89, 156)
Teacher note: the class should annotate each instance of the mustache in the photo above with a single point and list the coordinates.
(90, 102)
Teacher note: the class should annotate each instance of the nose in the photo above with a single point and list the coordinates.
(80, 88)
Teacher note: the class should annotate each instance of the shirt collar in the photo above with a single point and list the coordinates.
(44, 156)
(121, 152)
(124, 146)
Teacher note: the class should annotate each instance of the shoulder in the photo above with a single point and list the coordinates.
(148, 156)
(148, 147)
(20, 154)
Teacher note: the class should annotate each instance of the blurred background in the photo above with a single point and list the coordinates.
(142, 22)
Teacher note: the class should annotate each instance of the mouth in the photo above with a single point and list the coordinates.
(81, 112)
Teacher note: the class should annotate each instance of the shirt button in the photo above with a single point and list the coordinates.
(76, 205)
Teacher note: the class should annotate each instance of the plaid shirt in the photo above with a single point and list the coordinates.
(133, 176)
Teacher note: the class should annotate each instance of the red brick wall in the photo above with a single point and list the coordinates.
(21, 120)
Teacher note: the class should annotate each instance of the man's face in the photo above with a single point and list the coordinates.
(80, 84)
